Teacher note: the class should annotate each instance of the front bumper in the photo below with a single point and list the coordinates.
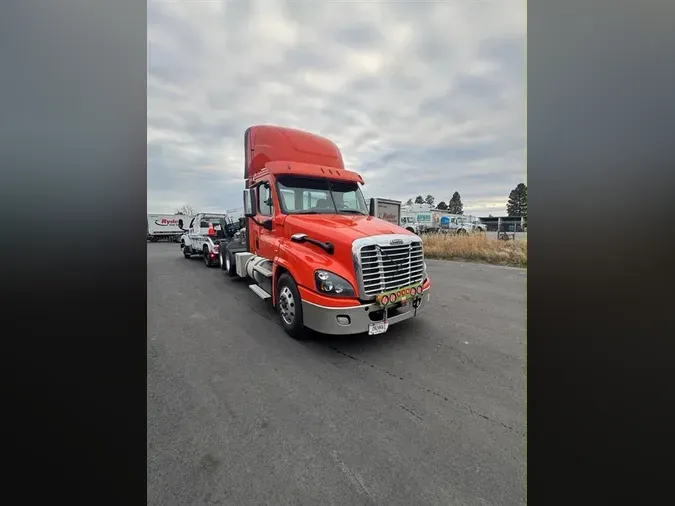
(325, 319)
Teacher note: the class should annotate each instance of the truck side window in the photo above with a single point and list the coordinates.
(288, 196)
(264, 200)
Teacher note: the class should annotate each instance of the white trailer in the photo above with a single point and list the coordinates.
(417, 218)
(165, 226)
(388, 210)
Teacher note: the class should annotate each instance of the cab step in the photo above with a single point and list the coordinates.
(260, 292)
(265, 272)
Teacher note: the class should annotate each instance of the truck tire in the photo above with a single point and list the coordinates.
(207, 257)
(229, 263)
(289, 307)
(186, 250)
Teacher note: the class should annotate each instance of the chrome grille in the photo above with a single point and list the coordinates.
(383, 267)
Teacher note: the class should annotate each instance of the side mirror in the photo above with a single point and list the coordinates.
(267, 224)
(180, 223)
(371, 210)
(249, 199)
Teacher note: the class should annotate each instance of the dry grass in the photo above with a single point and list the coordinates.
(475, 248)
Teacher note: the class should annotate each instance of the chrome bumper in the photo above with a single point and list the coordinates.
(325, 319)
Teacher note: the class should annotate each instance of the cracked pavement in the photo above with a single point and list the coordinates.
(431, 412)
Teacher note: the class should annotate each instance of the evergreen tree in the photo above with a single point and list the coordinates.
(455, 205)
(517, 203)
(429, 199)
(442, 206)
(409, 202)
(419, 200)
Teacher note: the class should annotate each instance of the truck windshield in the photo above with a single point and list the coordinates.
(303, 195)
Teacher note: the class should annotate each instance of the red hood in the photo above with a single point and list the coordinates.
(339, 228)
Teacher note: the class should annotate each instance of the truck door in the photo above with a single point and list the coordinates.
(192, 231)
(266, 242)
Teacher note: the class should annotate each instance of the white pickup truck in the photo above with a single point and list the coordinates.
(204, 235)
(470, 225)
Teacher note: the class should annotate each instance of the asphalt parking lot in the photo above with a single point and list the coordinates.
(431, 412)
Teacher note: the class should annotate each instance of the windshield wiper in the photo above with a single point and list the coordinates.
(353, 211)
(306, 212)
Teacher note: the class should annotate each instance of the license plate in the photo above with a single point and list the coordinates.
(377, 328)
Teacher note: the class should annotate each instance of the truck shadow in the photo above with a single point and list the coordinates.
(400, 333)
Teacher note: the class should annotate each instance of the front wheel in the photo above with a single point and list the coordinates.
(289, 307)
(186, 250)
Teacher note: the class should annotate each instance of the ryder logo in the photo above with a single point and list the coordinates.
(165, 222)
(390, 217)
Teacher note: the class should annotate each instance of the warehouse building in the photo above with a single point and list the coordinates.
(505, 223)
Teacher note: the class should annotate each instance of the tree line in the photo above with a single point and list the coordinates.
(454, 205)
(516, 204)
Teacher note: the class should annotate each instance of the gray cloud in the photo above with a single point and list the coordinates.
(420, 97)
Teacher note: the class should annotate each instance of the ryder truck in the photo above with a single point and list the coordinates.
(313, 246)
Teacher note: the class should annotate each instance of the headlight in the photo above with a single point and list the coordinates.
(331, 284)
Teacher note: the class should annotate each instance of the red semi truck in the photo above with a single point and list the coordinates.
(314, 247)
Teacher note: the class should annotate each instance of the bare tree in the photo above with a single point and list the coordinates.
(186, 209)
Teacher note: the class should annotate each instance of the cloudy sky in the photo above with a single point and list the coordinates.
(420, 96)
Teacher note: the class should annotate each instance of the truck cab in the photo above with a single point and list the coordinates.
(313, 246)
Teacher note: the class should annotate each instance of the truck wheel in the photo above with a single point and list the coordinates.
(207, 258)
(289, 307)
(229, 266)
(186, 250)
